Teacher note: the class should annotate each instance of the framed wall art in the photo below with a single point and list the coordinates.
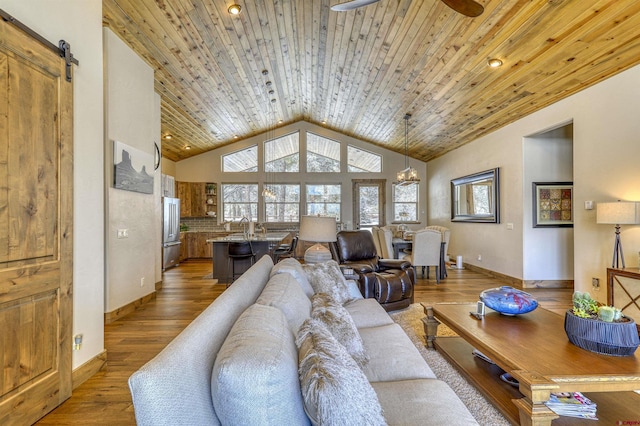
(131, 168)
(552, 204)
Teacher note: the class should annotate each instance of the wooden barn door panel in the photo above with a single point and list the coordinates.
(36, 217)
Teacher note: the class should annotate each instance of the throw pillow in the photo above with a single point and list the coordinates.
(254, 380)
(294, 268)
(339, 322)
(334, 389)
(283, 292)
(326, 277)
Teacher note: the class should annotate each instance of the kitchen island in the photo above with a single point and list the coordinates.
(262, 244)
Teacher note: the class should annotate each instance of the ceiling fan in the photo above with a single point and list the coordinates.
(468, 8)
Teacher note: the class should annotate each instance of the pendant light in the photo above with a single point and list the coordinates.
(267, 192)
(409, 175)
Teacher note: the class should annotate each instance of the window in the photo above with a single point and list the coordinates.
(324, 200)
(245, 160)
(282, 154)
(285, 206)
(323, 155)
(359, 160)
(405, 202)
(238, 201)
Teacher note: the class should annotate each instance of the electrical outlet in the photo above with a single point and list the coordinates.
(595, 282)
(142, 282)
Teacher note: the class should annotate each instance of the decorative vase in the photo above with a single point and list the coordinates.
(606, 338)
(508, 300)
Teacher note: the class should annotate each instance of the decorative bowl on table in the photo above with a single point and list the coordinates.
(606, 338)
(508, 300)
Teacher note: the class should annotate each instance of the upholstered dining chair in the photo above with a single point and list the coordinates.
(426, 251)
(444, 255)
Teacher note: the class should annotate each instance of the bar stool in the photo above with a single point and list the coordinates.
(238, 250)
(286, 250)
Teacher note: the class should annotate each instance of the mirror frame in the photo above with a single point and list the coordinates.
(495, 197)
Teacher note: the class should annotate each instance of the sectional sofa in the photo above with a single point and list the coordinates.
(263, 354)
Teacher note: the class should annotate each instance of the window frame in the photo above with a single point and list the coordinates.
(308, 203)
(223, 156)
(250, 203)
(395, 203)
(268, 202)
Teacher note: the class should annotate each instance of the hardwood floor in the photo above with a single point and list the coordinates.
(136, 338)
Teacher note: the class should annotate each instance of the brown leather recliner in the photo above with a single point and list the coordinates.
(389, 281)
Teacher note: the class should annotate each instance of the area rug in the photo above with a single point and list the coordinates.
(410, 319)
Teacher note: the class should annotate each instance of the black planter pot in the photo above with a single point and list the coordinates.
(607, 338)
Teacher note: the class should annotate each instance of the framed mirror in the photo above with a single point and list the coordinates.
(476, 197)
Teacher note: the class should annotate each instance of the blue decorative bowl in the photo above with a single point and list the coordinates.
(508, 300)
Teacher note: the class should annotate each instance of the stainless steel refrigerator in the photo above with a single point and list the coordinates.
(170, 232)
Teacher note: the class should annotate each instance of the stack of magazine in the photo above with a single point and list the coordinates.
(572, 404)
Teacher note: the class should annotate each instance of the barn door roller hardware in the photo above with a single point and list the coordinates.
(63, 49)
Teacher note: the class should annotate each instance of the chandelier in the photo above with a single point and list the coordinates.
(408, 175)
(267, 191)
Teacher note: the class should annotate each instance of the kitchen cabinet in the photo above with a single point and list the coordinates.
(197, 199)
(183, 247)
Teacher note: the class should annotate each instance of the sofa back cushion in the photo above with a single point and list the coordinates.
(255, 376)
(294, 268)
(283, 292)
(174, 388)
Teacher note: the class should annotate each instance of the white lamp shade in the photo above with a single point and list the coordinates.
(618, 213)
(319, 229)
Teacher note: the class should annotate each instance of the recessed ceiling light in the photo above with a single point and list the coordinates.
(494, 63)
(235, 136)
(234, 9)
(187, 147)
(280, 121)
(168, 136)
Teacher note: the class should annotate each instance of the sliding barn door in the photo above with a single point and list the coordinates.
(36, 216)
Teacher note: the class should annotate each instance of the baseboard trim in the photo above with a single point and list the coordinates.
(110, 317)
(88, 369)
(512, 281)
(158, 285)
(518, 283)
(548, 284)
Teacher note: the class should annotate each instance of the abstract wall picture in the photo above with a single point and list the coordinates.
(130, 168)
(552, 204)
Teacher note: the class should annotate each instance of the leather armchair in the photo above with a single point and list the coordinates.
(389, 281)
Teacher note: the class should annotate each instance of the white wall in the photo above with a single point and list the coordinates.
(132, 117)
(79, 22)
(605, 168)
(206, 168)
(548, 251)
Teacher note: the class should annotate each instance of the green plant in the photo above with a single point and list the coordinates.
(585, 307)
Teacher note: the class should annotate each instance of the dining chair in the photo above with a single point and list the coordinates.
(285, 250)
(426, 251)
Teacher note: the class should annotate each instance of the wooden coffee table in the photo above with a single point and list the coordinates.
(535, 350)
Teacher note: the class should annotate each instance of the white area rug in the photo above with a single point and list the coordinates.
(410, 319)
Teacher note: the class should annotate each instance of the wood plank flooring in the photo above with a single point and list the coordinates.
(134, 339)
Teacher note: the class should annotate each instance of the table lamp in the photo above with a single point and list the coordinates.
(618, 213)
(317, 229)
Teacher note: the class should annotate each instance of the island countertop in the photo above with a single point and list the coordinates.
(275, 237)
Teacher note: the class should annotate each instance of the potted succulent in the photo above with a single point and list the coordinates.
(599, 328)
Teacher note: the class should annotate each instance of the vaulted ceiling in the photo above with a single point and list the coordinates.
(359, 72)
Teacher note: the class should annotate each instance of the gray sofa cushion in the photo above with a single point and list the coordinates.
(294, 268)
(392, 355)
(254, 379)
(338, 321)
(368, 313)
(335, 390)
(174, 388)
(283, 292)
(424, 402)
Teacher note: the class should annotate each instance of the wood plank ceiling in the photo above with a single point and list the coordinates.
(359, 72)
